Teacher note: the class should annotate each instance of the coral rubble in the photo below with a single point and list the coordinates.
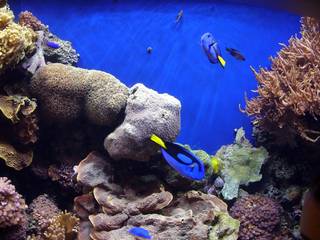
(288, 102)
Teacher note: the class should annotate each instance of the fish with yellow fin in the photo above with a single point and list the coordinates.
(181, 159)
(211, 49)
(215, 163)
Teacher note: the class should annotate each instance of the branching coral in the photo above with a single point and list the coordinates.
(62, 227)
(12, 207)
(27, 19)
(15, 41)
(289, 93)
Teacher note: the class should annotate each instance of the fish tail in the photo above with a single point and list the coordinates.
(158, 141)
(222, 61)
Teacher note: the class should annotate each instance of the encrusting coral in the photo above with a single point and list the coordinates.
(20, 111)
(12, 207)
(16, 41)
(259, 217)
(288, 104)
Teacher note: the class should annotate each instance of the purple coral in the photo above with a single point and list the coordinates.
(12, 205)
(259, 217)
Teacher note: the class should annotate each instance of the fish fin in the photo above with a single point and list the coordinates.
(222, 61)
(158, 141)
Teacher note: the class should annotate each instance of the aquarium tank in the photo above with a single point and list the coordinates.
(159, 119)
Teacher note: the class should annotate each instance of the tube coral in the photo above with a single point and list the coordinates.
(289, 99)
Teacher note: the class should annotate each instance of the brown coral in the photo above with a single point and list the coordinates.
(13, 158)
(12, 207)
(27, 19)
(288, 99)
(62, 227)
(76, 92)
(15, 41)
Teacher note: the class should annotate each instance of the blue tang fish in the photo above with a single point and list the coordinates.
(140, 232)
(53, 44)
(211, 49)
(181, 159)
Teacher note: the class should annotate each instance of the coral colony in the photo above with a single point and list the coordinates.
(77, 161)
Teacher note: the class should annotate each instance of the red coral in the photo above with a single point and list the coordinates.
(29, 20)
(27, 129)
(12, 205)
(259, 217)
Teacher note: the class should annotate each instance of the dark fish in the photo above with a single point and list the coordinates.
(211, 49)
(179, 16)
(235, 53)
(140, 232)
(53, 45)
(182, 160)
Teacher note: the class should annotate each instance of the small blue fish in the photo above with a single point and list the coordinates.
(181, 159)
(211, 49)
(53, 45)
(140, 232)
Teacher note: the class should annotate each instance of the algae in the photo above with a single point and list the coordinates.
(226, 228)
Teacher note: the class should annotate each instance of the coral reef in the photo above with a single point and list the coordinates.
(16, 41)
(288, 102)
(241, 164)
(12, 206)
(259, 217)
(187, 215)
(147, 112)
(75, 92)
(65, 54)
(27, 19)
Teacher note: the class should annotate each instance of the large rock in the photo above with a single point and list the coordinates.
(147, 113)
(65, 93)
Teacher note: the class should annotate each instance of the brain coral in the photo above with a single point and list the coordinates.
(66, 93)
(15, 41)
(259, 217)
(12, 207)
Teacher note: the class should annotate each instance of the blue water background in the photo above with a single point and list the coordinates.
(113, 37)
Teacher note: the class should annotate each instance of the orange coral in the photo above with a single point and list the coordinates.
(289, 93)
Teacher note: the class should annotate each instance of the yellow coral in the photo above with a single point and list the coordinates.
(6, 16)
(15, 41)
(62, 227)
(12, 106)
(13, 158)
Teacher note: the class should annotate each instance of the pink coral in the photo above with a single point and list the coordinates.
(259, 217)
(12, 205)
(27, 19)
